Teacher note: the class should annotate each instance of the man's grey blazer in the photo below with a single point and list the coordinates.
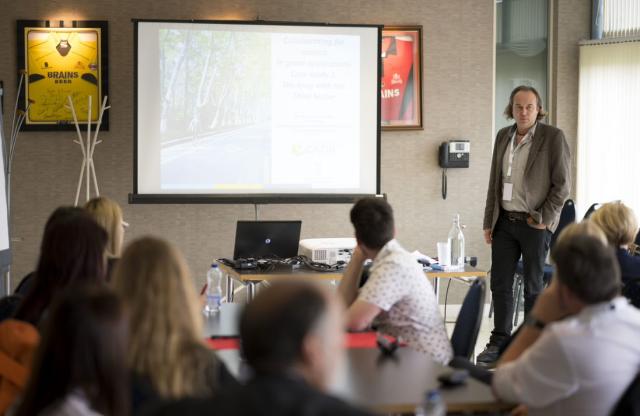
(547, 176)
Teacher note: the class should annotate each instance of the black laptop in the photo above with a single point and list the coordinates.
(267, 239)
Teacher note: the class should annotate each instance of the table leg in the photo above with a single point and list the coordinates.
(230, 288)
(251, 291)
(436, 287)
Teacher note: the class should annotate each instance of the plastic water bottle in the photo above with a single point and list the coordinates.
(433, 404)
(456, 243)
(214, 290)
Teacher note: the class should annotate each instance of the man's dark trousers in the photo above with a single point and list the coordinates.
(511, 238)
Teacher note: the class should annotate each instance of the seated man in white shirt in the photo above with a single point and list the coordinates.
(578, 350)
(397, 297)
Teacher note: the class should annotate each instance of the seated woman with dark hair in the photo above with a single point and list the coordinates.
(619, 224)
(72, 253)
(80, 366)
(166, 354)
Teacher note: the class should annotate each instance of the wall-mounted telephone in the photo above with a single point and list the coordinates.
(452, 154)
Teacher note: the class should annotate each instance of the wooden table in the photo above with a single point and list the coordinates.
(393, 385)
(250, 278)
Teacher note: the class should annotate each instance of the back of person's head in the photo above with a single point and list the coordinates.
(373, 221)
(72, 253)
(166, 325)
(587, 266)
(108, 214)
(82, 350)
(8, 306)
(618, 222)
(292, 325)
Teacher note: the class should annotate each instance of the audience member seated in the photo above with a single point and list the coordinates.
(80, 366)
(397, 297)
(108, 214)
(578, 350)
(72, 253)
(18, 343)
(292, 337)
(167, 354)
(621, 227)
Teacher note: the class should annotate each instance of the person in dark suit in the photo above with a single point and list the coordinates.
(619, 224)
(529, 183)
(292, 338)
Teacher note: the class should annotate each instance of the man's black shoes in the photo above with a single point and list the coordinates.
(489, 356)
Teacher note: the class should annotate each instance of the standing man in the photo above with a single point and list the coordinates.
(529, 183)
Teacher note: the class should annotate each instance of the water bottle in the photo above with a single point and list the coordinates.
(214, 290)
(433, 405)
(456, 243)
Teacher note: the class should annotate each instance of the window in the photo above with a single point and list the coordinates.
(608, 134)
(621, 18)
(521, 50)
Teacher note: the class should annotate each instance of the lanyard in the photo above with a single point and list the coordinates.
(512, 151)
(513, 148)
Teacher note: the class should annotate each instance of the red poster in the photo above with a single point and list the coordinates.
(400, 93)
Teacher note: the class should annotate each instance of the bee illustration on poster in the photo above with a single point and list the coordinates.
(68, 60)
(401, 83)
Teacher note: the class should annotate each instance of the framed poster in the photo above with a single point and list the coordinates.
(401, 83)
(59, 62)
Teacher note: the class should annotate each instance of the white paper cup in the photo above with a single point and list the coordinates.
(444, 254)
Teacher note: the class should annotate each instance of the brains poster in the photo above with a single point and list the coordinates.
(58, 63)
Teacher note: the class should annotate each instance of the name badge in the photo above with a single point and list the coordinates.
(507, 191)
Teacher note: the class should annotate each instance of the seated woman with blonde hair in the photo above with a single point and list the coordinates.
(619, 224)
(108, 214)
(166, 354)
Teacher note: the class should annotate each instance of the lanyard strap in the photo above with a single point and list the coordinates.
(513, 148)
(512, 151)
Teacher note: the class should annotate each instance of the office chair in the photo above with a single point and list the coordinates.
(591, 210)
(465, 332)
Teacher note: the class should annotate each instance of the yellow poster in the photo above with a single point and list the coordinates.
(62, 62)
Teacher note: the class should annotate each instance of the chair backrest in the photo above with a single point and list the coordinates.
(629, 403)
(465, 332)
(591, 210)
(567, 216)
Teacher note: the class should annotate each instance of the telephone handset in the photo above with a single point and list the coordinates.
(452, 154)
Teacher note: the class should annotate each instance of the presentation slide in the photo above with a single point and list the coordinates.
(256, 109)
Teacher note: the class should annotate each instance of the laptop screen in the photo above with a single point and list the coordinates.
(267, 239)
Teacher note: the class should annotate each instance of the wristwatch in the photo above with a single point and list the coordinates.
(531, 320)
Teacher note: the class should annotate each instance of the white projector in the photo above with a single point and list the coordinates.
(327, 250)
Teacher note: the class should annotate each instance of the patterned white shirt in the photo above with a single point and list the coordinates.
(397, 285)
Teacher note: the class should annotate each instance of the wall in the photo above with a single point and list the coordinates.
(458, 89)
(572, 22)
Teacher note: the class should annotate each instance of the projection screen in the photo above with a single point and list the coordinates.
(255, 111)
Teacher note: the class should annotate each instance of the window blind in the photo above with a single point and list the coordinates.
(608, 154)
